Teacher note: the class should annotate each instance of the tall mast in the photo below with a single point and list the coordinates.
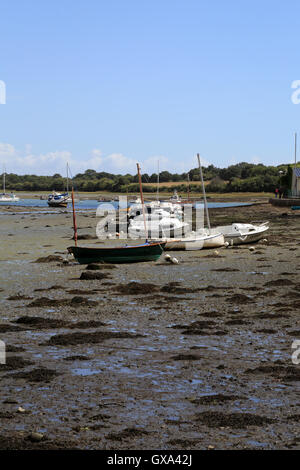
(204, 194)
(74, 218)
(188, 189)
(157, 195)
(295, 149)
(142, 198)
(4, 178)
(67, 177)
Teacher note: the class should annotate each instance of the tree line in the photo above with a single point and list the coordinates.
(242, 177)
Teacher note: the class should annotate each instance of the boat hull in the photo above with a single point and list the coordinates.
(214, 241)
(236, 239)
(7, 198)
(132, 254)
(196, 243)
(57, 204)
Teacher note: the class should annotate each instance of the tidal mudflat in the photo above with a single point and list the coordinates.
(150, 355)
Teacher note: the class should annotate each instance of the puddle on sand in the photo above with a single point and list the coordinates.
(257, 444)
(85, 372)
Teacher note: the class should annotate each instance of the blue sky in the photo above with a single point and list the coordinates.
(106, 84)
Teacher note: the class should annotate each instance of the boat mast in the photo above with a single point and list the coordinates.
(3, 179)
(188, 188)
(157, 195)
(67, 177)
(142, 198)
(295, 149)
(74, 218)
(204, 194)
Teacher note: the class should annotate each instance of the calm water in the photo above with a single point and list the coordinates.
(92, 204)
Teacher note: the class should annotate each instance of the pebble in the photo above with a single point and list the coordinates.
(36, 436)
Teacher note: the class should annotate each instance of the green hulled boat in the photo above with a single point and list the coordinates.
(124, 254)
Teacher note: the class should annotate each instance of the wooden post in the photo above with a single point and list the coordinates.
(74, 218)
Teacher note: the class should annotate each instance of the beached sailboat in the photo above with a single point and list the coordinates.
(203, 238)
(123, 254)
(239, 234)
(160, 223)
(60, 199)
(5, 197)
(156, 219)
(148, 251)
(195, 241)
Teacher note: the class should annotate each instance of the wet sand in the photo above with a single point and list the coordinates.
(153, 355)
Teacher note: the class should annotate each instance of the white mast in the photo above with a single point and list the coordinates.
(157, 195)
(4, 179)
(67, 177)
(295, 149)
(142, 199)
(204, 194)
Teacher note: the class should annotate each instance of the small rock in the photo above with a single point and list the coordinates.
(90, 275)
(36, 436)
(251, 248)
(21, 410)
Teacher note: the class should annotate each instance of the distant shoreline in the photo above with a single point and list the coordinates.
(216, 197)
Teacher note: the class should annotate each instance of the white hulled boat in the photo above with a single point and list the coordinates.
(239, 234)
(61, 199)
(5, 197)
(159, 224)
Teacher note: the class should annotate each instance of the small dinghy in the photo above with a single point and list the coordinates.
(123, 254)
(239, 234)
(194, 241)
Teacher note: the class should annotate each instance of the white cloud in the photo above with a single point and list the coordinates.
(27, 162)
(6, 150)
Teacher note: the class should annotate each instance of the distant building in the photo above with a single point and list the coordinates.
(295, 189)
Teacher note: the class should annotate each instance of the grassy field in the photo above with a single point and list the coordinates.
(171, 184)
